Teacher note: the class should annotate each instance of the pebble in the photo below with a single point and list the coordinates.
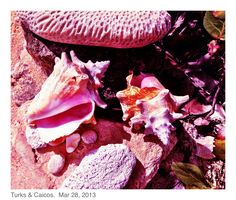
(72, 142)
(56, 164)
(89, 137)
(108, 167)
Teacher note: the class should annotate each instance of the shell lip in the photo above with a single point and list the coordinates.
(56, 109)
(65, 123)
(58, 113)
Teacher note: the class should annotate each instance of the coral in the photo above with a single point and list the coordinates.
(118, 29)
(108, 167)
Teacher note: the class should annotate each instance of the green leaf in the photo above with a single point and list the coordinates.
(190, 175)
(219, 149)
(214, 26)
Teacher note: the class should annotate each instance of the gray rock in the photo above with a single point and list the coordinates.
(56, 164)
(108, 167)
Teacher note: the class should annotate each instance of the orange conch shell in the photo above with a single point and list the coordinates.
(67, 98)
(150, 104)
(134, 92)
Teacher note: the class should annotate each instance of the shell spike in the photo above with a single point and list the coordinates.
(181, 99)
(74, 58)
(65, 59)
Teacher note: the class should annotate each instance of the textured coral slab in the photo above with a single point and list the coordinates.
(108, 167)
(117, 29)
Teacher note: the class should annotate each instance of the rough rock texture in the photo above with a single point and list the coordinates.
(149, 152)
(56, 164)
(118, 29)
(24, 71)
(108, 167)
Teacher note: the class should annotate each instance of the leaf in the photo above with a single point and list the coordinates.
(195, 108)
(219, 149)
(190, 175)
(219, 14)
(214, 26)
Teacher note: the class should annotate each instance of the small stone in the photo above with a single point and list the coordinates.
(72, 142)
(108, 167)
(56, 164)
(89, 137)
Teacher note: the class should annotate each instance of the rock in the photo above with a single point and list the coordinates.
(89, 136)
(108, 167)
(33, 138)
(26, 77)
(39, 52)
(149, 152)
(72, 142)
(56, 164)
(24, 87)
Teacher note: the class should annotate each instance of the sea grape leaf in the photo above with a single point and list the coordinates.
(190, 175)
(219, 14)
(219, 149)
(214, 26)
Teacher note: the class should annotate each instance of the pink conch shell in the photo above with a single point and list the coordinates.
(67, 98)
(156, 108)
(57, 141)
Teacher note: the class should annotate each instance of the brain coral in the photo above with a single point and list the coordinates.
(117, 29)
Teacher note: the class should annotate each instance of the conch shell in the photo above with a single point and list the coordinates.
(67, 98)
(147, 102)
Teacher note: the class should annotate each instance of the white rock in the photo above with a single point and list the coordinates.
(108, 167)
(89, 136)
(56, 164)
